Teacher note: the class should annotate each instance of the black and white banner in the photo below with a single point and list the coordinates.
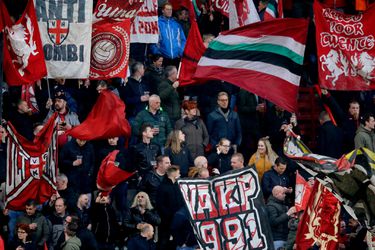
(228, 212)
(65, 30)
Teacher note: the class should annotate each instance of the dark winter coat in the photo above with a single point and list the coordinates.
(330, 140)
(271, 179)
(42, 232)
(134, 217)
(278, 218)
(138, 242)
(182, 159)
(196, 135)
(219, 126)
(104, 224)
(142, 154)
(150, 184)
(132, 93)
(169, 99)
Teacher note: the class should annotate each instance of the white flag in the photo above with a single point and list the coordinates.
(242, 12)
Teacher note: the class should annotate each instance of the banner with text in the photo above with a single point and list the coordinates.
(222, 6)
(117, 10)
(145, 27)
(31, 166)
(65, 29)
(346, 48)
(228, 212)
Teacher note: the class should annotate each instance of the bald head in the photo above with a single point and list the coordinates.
(279, 192)
(200, 162)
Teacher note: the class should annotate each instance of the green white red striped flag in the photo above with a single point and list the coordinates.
(264, 58)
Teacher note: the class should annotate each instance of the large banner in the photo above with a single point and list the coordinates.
(110, 49)
(65, 29)
(145, 27)
(228, 212)
(23, 52)
(346, 50)
(117, 10)
(31, 166)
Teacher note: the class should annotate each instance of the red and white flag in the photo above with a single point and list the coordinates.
(116, 10)
(346, 48)
(273, 10)
(242, 12)
(23, 51)
(31, 166)
(320, 222)
(145, 27)
(110, 49)
(28, 95)
(302, 193)
(106, 119)
(221, 6)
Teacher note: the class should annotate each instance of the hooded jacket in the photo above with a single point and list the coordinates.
(364, 138)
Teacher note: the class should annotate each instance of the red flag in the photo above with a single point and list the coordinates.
(31, 166)
(345, 47)
(303, 191)
(106, 119)
(274, 10)
(110, 49)
(110, 174)
(23, 49)
(320, 222)
(221, 5)
(194, 49)
(118, 10)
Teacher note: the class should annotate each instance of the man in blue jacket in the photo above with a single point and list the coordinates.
(171, 38)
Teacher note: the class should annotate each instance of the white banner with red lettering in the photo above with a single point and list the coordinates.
(117, 10)
(65, 29)
(110, 49)
(346, 48)
(145, 28)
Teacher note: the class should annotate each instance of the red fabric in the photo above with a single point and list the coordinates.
(320, 222)
(1, 239)
(361, 5)
(28, 95)
(194, 49)
(345, 48)
(109, 174)
(221, 6)
(115, 9)
(23, 50)
(303, 192)
(110, 45)
(106, 119)
(31, 166)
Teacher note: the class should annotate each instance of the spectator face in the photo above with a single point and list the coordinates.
(141, 200)
(224, 147)
(60, 184)
(81, 143)
(158, 63)
(354, 110)
(280, 169)
(165, 164)
(154, 103)
(223, 101)
(148, 133)
(167, 11)
(201, 162)
(181, 136)
(370, 124)
(59, 206)
(113, 141)
(280, 194)
(60, 104)
(261, 147)
(30, 210)
(101, 87)
(173, 75)
(236, 163)
(204, 173)
(150, 233)
(22, 107)
(84, 201)
(22, 234)
(191, 113)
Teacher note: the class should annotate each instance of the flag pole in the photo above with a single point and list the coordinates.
(1, 76)
(178, 71)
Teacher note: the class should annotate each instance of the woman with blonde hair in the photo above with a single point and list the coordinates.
(141, 211)
(178, 152)
(264, 158)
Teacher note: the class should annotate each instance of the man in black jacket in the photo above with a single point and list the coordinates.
(279, 216)
(169, 201)
(330, 137)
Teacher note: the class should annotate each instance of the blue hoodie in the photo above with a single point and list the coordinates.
(171, 39)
